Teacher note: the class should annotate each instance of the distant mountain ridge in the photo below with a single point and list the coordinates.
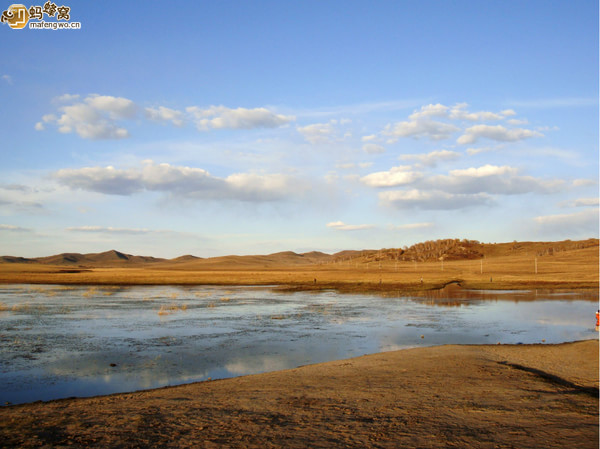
(93, 259)
(446, 249)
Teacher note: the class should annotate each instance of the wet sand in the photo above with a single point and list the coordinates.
(447, 396)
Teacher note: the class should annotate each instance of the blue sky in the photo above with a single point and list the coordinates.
(213, 128)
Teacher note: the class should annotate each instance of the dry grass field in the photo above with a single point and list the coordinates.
(566, 265)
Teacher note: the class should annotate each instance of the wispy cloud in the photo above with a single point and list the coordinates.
(108, 230)
(341, 226)
(410, 226)
(581, 202)
(559, 102)
(584, 221)
(221, 117)
(373, 148)
(13, 228)
(432, 199)
(498, 133)
(357, 108)
(433, 158)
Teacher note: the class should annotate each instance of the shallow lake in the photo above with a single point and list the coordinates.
(64, 341)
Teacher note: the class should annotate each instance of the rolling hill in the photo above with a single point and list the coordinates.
(429, 251)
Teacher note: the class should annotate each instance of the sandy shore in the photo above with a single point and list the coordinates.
(450, 396)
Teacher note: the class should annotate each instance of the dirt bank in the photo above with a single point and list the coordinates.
(449, 396)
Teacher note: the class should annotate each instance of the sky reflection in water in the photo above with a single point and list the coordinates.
(58, 341)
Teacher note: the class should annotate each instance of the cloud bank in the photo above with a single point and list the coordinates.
(181, 181)
(99, 117)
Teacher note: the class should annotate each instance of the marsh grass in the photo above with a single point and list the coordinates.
(168, 310)
(92, 291)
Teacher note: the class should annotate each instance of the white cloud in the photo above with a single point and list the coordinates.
(395, 176)
(8, 79)
(369, 138)
(317, 132)
(221, 117)
(584, 182)
(186, 182)
(517, 122)
(165, 114)
(508, 113)
(431, 200)
(325, 132)
(373, 148)
(498, 133)
(430, 110)
(582, 202)
(351, 165)
(66, 98)
(412, 226)
(115, 107)
(459, 112)
(100, 117)
(431, 159)
(423, 127)
(106, 180)
(486, 170)
(107, 230)
(94, 118)
(474, 151)
(492, 179)
(341, 226)
(13, 228)
(584, 221)
(264, 187)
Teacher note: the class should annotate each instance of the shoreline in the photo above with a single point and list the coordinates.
(541, 395)
(286, 281)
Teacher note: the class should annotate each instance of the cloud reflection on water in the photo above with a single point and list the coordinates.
(46, 353)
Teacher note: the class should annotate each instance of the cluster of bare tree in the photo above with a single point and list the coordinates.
(567, 245)
(457, 249)
(431, 250)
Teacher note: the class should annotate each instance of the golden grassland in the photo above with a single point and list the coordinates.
(571, 269)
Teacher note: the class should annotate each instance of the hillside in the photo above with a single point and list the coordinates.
(456, 249)
(108, 258)
(429, 251)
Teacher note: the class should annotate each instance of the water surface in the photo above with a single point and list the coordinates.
(63, 341)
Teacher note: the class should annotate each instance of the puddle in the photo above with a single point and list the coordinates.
(58, 341)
